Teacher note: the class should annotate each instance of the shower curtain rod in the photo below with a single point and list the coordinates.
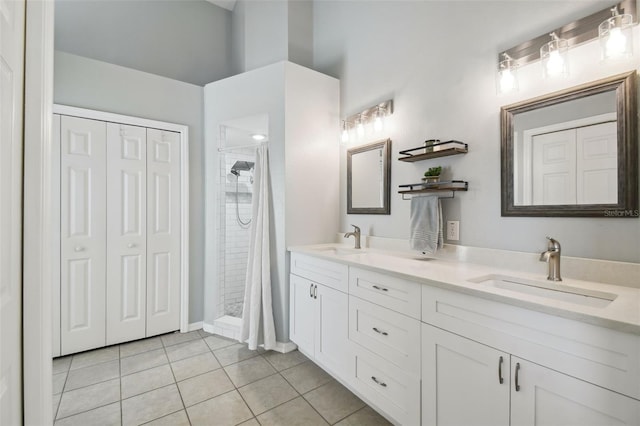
(253, 145)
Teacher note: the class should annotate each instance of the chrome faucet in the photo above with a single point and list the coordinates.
(552, 257)
(356, 234)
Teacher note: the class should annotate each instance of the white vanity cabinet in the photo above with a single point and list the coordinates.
(318, 317)
(489, 371)
(384, 333)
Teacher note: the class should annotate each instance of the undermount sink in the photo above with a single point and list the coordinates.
(339, 251)
(551, 290)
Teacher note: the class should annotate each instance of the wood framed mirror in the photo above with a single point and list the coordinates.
(369, 178)
(572, 153)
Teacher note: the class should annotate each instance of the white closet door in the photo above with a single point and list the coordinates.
(83, 239)
(554, 168)
(126, 232)
(597, 164)
(163, 231)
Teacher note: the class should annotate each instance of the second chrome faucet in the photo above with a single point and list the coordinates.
(356, 234)
(552, 257)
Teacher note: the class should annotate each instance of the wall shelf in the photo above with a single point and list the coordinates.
(423, 188)
(447, 148)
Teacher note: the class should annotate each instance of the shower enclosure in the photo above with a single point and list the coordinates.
(235, 227)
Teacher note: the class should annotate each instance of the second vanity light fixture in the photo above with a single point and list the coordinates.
(612, 26)
(374, 117)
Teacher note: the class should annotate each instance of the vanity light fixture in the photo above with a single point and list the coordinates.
(616, 35)
(554, 56)
(375, 116)
(507, 75)
(345, 132)
(360, 126)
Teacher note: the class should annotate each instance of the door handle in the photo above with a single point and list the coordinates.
(78, 249)
(311, 291)
(517, 374)
(315, 291)
(500, 379)
(131, 245)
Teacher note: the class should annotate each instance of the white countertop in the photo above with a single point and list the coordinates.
(622, 314)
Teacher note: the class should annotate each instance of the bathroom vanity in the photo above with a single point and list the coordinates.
(446, 342)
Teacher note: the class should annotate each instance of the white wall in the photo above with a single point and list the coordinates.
(184, 40)
(437, 60)
(87, 83)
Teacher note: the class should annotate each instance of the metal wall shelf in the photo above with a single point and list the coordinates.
(420, 153)
(444, 186)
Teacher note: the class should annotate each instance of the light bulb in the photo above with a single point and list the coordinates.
(345, 135)
(555, 63)
(507, 81)
(378, 124)
(616, 43)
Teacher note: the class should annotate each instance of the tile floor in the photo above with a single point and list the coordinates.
(198, 378)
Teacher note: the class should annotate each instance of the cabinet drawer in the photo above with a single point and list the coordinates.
(598, 355)
(390, 389)
(393, 336)
(331, 274)
(394, 293)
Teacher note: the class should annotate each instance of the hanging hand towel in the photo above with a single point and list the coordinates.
(257, 311)
(426, 224)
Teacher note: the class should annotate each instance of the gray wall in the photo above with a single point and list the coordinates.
(183, 40)
(87, 83)
(437, 60)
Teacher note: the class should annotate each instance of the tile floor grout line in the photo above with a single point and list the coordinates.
(86, 411)
(120, 378)
(175, 382)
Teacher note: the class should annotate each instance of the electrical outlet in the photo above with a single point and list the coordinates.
(453, 230)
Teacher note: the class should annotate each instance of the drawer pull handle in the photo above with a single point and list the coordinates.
(380, 288)
(517, 374)
(311, 291)
(315, 291)
(383, 384)
(384, 333)
(500, 379)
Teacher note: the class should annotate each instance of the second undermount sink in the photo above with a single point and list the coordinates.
(551, 290)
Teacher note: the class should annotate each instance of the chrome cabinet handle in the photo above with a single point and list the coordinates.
(500, 379)
(311, 291)
(384, 333)
(380, 288)
(315, 291)
(517, 374)
(78, 248)
(383, 384)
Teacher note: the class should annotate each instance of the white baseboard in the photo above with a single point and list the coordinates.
(230, 327)
(195, 326)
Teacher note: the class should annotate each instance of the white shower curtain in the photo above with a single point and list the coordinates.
(257, 312)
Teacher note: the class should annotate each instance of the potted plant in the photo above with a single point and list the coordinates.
(432, 175)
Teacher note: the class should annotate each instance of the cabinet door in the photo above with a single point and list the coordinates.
(126, 232)
(546, 397)
(83, 237)
(302, 316)
(163, 231)
(461, 381)
(332, 327)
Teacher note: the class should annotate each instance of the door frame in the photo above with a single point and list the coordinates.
(37, 223)
(184, 187)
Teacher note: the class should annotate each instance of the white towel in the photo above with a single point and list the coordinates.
(426, 224)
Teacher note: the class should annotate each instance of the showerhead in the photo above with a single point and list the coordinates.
(241, 166)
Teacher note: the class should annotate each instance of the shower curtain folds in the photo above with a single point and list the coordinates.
(257, 313)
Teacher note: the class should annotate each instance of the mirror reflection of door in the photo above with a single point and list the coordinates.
(576, 165)
(368, 179)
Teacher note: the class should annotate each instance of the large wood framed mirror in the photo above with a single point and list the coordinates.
(369, 178)
(572, 153)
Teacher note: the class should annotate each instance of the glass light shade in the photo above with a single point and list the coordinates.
(555, 58)
(507, 76)
(378, 122)
(616, 37)
(345, 133)
(360, 128)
